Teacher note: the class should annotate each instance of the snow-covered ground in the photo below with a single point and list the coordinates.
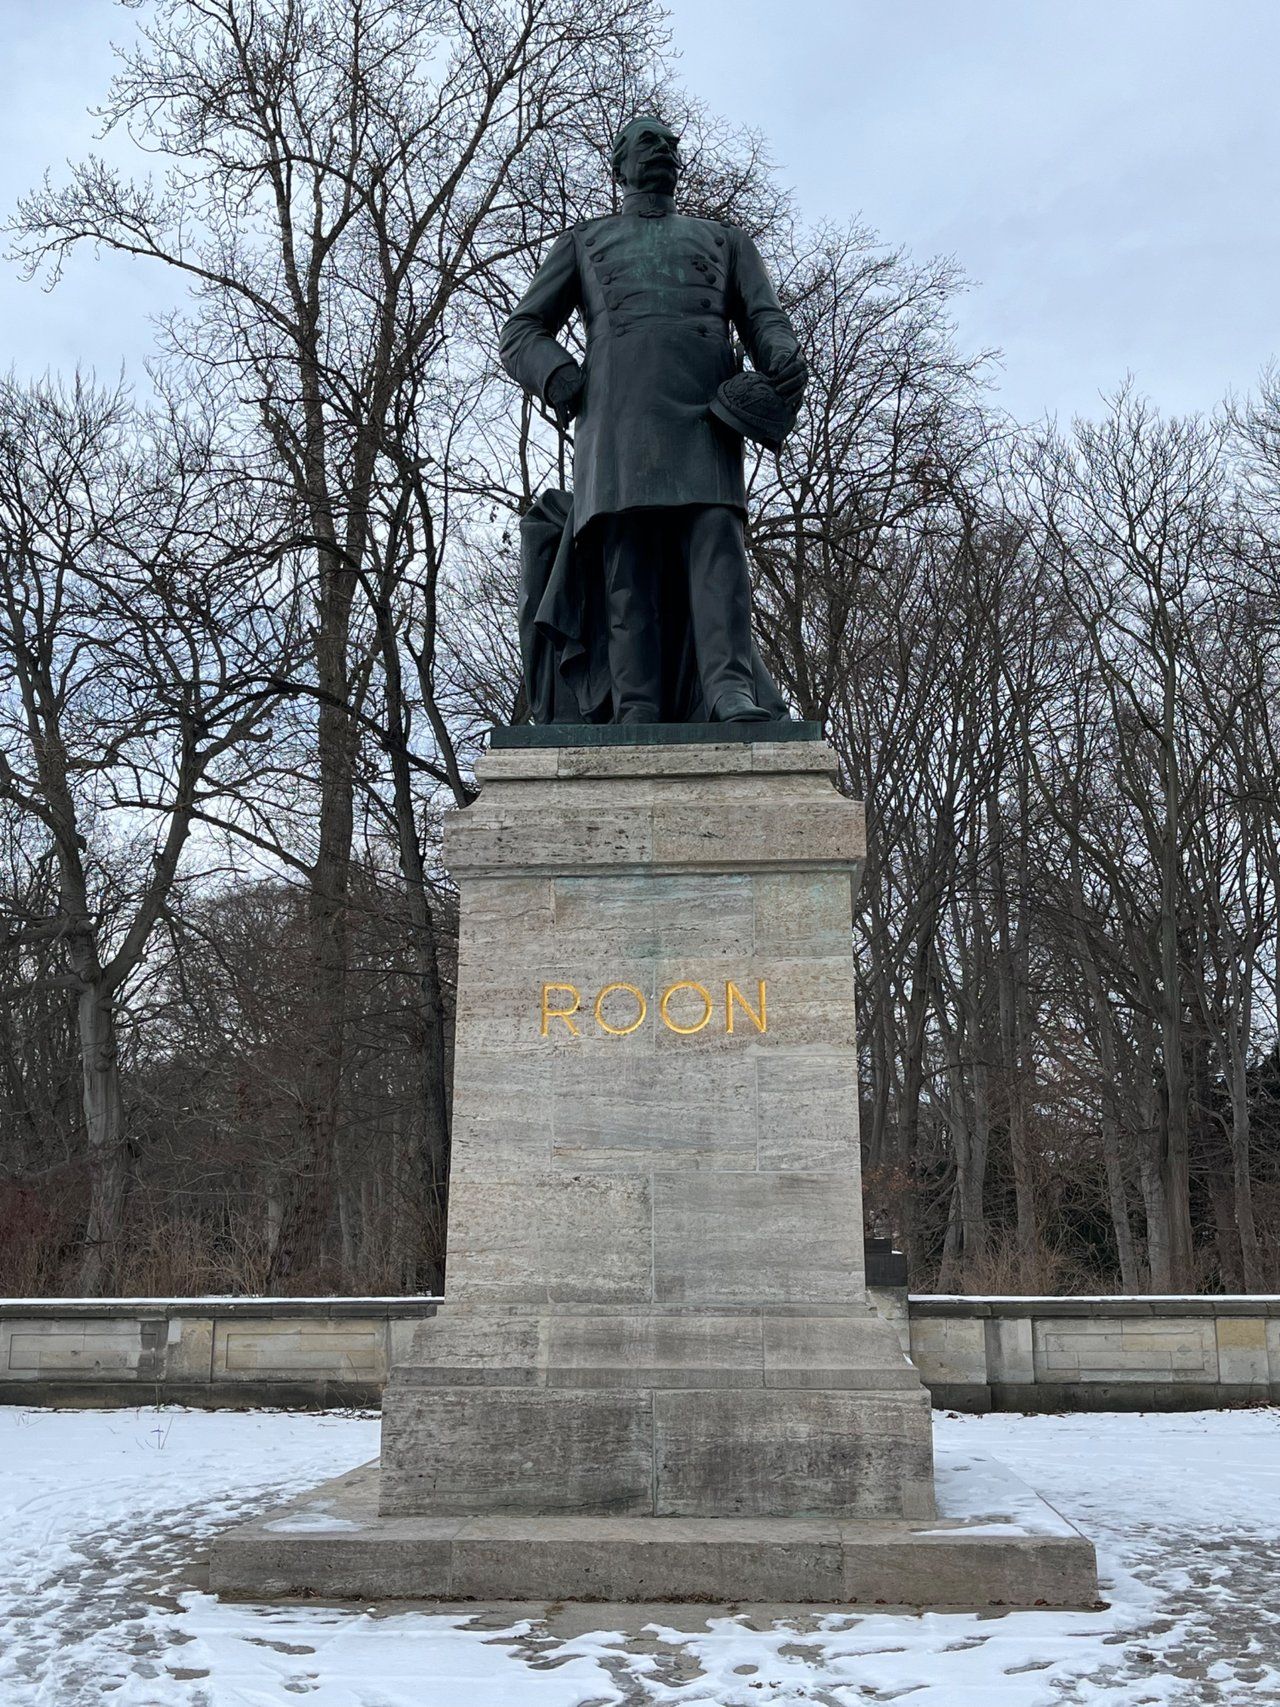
(102, 1512)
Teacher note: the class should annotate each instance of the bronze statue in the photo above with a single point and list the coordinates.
(636, 605)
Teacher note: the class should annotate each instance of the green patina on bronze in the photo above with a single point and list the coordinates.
(635, 596)
(658, 294)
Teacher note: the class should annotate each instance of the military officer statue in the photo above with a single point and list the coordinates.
(651, 575)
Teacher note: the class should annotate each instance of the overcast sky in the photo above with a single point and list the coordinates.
(1103, 170)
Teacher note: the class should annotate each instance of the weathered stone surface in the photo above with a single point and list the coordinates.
(656, 1370)
(175, 1359)
(802, 913)
(672, 1111)
(745, 1238)
(649, 1349)
(461, 1450)
(503, 1121)
(706, 760)
(1010, 1349)
(951, 1569)
(656, 1111)
(808, 1005)
(85, 1350)
(661, 758)
(835, 1351)
(545, 840)
(1242, 1348)
(188, 1344)
(793, 1453)
(730, 809)
(954, 1347)
(403, 1336)
(505, 912)
(816, 832)
(890, 1304)
(333, 1544)
(528, 764)
(1145, 1353)
(668, 916)
(808, 1111)
(630, 1559)
(475, 1347)
(583, 1237)
(1127, 1350)
(243, 1350)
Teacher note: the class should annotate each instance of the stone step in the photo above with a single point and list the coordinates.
(996, 1544)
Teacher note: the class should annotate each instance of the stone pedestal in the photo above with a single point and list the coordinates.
(656, 1296)
(656, 1311)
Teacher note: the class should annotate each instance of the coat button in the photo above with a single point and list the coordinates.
(719, 242)
(706, 302)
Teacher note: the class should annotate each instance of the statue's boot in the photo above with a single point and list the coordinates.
(738, 708)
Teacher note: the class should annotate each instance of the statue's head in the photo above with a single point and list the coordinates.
(646, 155)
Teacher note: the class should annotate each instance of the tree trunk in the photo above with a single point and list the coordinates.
(879, 1045)
(1155, 1202)
(1242, 1182)
(105, 1140)
(906, 1128)
(1016, 1056)
(948, 1273)
(1118, 1204)
(309, 1205)
(1177, 1134)
(434, 1079)
(974, 1174)
(1109, 1079)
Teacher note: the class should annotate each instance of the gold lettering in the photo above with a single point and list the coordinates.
(733, 994)
(621, 1030)
(549, 1013)
(685, 1030)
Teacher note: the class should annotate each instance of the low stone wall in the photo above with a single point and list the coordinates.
(1105, 1354)
(297, 1352)
(976, 1354)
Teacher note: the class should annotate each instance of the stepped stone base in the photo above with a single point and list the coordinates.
(648, 1412)
(993, 1544)
(656, 1373)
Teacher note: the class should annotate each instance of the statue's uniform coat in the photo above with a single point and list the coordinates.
(658, 294)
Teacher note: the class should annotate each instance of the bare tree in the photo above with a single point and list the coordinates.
(1131, 513)
(345, 176)
(131, 691)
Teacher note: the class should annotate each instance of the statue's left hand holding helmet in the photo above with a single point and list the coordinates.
(790, 379)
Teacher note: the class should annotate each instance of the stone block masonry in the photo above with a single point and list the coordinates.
(306, 1353)
(657, 1358)
(1053, 1354)
(656, 1200)
(973, 1353)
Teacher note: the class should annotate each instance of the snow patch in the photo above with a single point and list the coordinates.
(102, 1512)
(310, 1522)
